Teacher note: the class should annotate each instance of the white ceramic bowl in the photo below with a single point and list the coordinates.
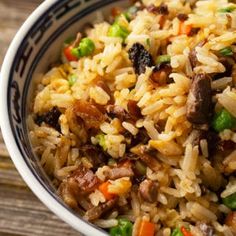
(34, 48)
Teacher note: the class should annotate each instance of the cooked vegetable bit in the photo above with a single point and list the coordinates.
(223, 120)
(227, 9)
(146, 228)
(130, 13)
(226, 51)
(140, 167)
(176, 232)
(124, 228)
(72, 79)
(85, 48)
(163, 59)
(101, 141)
(68, 53)
(230, 201)
(116, 30)
(103, 188)
(185, 231)
(69, 40)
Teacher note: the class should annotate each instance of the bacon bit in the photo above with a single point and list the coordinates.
(89, 113)
(134, 110)
(116, 11)
(194, 31)
(184, 29)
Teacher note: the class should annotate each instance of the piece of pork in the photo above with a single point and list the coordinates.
(148, 190)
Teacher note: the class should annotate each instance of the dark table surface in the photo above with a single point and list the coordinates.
(21, 213)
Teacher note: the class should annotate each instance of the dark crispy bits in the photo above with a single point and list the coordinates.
(97, 211)
(90, 114)
(148, 190)
(162, 9)
(50, 118)
(205, 229)
(134, 109)
(199, 102)
(115, 111)
(82, 181)
(182, 16)
(193, 54)
(228, 64)
(194, 31)
(160, 74)
(140, 58)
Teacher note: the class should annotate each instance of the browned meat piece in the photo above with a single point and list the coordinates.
(95, 212)
(90, 114)
(95, 155)
(231, 220)
(134, 110)
(182, 16)
(160, 74)
(101, 83)
(162, 9)
(194, 31)
(50, 118)
(228, 64)
(148, 190)
(82, 181)
(150, 161)
(119, 112)
(119, 172)
(199, 102)
(206, 229)
(140, 58)
(193, 54)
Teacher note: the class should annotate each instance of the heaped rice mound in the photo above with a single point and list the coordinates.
(137, 126)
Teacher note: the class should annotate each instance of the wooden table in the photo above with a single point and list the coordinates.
(21, 213)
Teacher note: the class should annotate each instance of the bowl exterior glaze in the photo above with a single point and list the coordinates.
(34, 48)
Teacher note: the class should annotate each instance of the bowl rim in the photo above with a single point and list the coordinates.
(38, 189)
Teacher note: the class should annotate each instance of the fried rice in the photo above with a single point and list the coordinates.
(141, 126)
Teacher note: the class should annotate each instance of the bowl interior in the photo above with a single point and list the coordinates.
(37, 49)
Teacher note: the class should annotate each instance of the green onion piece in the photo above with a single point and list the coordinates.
(148, 42)
(69, 40)
(223, 120)
(140, 167)
(226, 51)
(116, 30)
(227, 9)
(124, 228)
(177, 232)
(72, 79)
(230, 201)
(163, 59)
(101, 141)
(85, 48)
(130, 13)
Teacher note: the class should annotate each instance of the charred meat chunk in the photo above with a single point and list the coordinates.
(140, 58)
(119, 172)
(50, 118)
(160, 74)
(134, 109)
(82, 181)
(199, 102)
(97, 211)
(115, 111)
(148, 190)
(89, 113)
(205, 229)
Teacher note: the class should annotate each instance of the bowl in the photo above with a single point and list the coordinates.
(34, 48)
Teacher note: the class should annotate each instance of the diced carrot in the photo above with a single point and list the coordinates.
(116, 11)
(185, 231)
(162, 21)
(68, 54)
(146, 229)
(104, 189)
(184, 29)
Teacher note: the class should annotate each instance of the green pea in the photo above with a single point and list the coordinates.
(177, 232)
(116, 30)
(101, 141)
(72, 79)
(227, 9)
(223, 120)
(230, 201)
(124, 228)
(85, 48)
(226, 51)
(163, 59)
